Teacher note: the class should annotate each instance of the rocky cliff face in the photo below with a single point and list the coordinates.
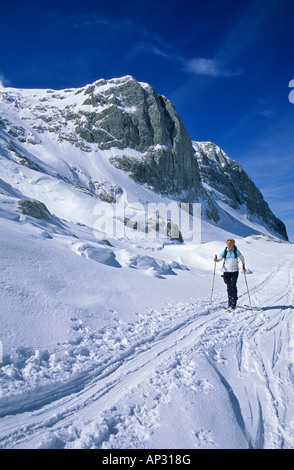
(226, 181)
(127, 114)
(76, 135)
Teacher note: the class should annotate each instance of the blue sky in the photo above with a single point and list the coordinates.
(225, 64)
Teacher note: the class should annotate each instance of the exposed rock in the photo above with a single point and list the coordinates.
(227, 180)
(34, 208)
(164, 227)
(133, 115)
(107, 192)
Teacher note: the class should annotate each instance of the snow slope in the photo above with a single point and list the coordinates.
(120, 347)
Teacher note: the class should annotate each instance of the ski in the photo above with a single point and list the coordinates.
(239, 308)
(230, 309)
(252, 307)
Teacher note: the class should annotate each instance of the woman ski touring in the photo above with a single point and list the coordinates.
(230, 255)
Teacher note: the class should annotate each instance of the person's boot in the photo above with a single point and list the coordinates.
(233, 304)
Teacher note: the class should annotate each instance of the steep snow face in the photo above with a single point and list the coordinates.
(69, 148)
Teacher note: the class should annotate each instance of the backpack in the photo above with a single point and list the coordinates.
(234, 250)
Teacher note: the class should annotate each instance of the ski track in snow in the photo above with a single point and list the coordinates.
(119, 377)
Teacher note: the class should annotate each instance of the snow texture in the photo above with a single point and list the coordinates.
(114, 343)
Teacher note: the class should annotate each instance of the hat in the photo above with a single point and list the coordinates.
(231, 240)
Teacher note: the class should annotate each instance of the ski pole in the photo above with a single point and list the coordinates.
(247, 288)
(213, 279)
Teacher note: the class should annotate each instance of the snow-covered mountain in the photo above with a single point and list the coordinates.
(112, 339)
(119, 137)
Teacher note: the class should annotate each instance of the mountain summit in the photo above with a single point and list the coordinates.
(113, 137)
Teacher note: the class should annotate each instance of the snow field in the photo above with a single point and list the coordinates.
(186, 375)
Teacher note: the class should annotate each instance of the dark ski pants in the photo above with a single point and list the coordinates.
(231, 282)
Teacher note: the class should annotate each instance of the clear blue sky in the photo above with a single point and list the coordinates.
(225, 64)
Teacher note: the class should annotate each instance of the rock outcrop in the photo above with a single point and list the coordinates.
(127, 114)
(227, 181)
